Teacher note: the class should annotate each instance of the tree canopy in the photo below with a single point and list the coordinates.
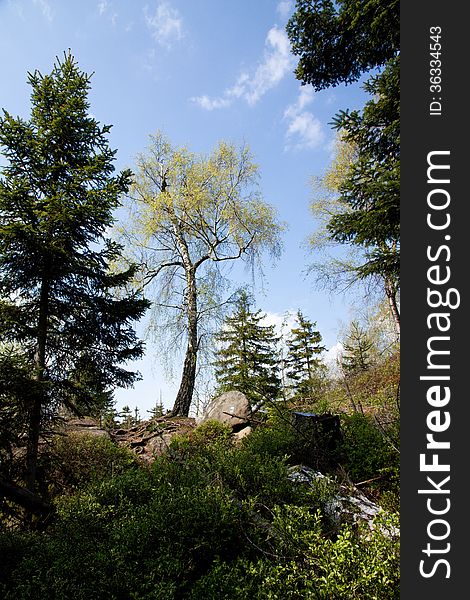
(361, 190)
(191, 215)
(371, 187)
(338, 41)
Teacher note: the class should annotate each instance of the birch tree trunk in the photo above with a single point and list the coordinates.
(185, 393)
(390, 291)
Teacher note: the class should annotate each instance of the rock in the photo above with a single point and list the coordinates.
(239, 435)
(231, 408)
(160, 443)
(315, 424)
(85, 425)
(349, 504)
(152, 438)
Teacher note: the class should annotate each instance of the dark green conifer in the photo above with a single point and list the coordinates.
(59, 306)
(357, 346)
(248, 359)
(303, 365)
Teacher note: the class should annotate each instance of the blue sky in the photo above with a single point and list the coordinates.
(200, 71)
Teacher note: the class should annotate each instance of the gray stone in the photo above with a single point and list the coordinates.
(239, 435)
(150, 439)
(349, 504)
(231, 408)
(86, 425)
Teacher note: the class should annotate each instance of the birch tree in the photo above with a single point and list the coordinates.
(192, 216)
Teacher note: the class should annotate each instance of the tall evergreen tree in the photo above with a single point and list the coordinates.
(370, 192)
(336, 42)
(58, 301)
(303, 365)
(247, 360)
(356, 356)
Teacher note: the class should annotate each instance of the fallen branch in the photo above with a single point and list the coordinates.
(370, 480)
(31, 502)
(247, 419)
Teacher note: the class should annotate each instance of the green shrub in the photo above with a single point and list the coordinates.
(77, 459)
(209, 456)
(279, 437)
(211, 432)
(132, 536)
(14, 547)
(202, 440)
(367, 455)
(306, 564)
(364, 449)
(272, 439)
(208, 520)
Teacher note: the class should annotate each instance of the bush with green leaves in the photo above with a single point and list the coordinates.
(368, 454)
(304, 564)
(133, 536)
(209, 454)
(279, 436)
(209, 519)
(77, 458)
(373, 391)
(208, 436)
(365, 450)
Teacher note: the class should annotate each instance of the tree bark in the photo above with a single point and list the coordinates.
(34, 425)
(186, 389)
(23, 497)
(391, 292)
(185, 393)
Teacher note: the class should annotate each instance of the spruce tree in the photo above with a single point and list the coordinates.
(61, 306)
(303, 365)
(357, 346)
(247, 359)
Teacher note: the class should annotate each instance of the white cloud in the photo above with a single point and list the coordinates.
(283, 323)
(165, 24)
(277, 62)
(103, 6)
(284, 8)
(333, 354)
(331, 148)
(279, 320)
(46, 9)
(330, 99)
(331, 359)
(211, 103)
(306, 97)
(307, 129)
(304, 130)
(18, 8)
